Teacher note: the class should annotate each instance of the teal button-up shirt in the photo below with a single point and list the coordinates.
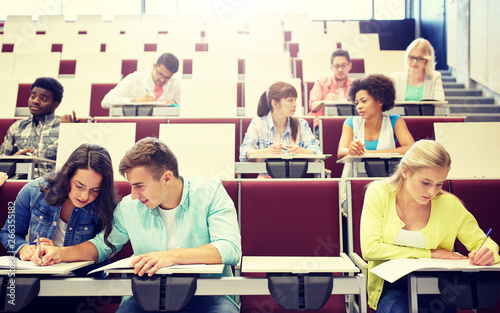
(206, 215)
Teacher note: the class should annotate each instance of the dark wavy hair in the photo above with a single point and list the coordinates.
(278, 91)
(380, 87)
(96, 158)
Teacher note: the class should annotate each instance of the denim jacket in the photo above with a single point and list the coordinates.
(34, 214)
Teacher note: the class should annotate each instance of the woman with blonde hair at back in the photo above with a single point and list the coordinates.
(408, 216)
(419, 80)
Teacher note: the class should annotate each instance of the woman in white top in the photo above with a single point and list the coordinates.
(372, 131)
(420, 80)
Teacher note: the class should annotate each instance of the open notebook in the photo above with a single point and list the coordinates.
(123, 265)
(393, 270)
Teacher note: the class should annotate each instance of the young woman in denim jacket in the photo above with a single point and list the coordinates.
(64, 208)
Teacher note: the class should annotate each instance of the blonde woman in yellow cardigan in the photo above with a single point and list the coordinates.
(410, 216)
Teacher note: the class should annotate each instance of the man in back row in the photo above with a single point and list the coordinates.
(38, 135)
(157, 85)
(331, 88)
(168, 220)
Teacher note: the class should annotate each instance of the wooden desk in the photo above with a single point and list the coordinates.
(346, 285)
(143, 109)
(427, 283)
(278, 264)
(257, 163)
(339, 108)
(357, 161)
(281, 272)
(25, 164)
(60, 269)
(420, 108)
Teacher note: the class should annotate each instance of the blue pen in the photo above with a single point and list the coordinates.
(487, 235)
(39, 249)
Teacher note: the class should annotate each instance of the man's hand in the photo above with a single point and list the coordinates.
(68, 118)
(146, 98)
(28, 151)
(331, 97)
(153, 261)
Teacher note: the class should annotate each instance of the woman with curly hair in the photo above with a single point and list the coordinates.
(372, 131)
(66, 207)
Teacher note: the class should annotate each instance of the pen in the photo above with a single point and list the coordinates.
(39, 249)
(487, 235)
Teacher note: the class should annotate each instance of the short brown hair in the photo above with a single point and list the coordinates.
(153, 154)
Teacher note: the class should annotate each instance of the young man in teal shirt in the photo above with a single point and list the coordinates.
(168, 220)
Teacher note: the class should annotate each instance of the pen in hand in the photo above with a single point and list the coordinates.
(487, 235)
(39, 249)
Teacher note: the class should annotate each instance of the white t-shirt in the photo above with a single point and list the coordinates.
(60, 233)
(168, 217)
(410, 238)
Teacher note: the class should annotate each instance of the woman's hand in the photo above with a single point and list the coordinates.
(356, 147)
(483, 256)
(298, 150)
(444, 254)
(27, 251)
(275, 148)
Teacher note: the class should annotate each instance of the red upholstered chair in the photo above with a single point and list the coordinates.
(289, 218)
(145, 126)
(5, 123)
(8, 194)
(232, 187)
(329, 136)
(128, 66)
(422, 127)
(23, 95)
(96, 95)
(481, 198)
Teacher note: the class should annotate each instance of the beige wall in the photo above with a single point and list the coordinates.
(485, 43)
(451, 35)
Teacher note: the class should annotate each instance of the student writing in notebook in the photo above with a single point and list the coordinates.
(169, 219)
(156, 85)
(64, 208)
(372, 130)
(408, 215)
(420, 80)
(275, 129)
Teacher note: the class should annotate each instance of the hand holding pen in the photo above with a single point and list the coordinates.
(29, 249)
(482, 255)
(39, 249)
(356, 147)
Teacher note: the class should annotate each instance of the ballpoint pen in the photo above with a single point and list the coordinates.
(487, 235)
(39, 249)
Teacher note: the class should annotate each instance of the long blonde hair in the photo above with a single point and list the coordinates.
(422, 154)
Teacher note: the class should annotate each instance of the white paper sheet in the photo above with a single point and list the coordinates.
(125, 264)
(392, 270)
